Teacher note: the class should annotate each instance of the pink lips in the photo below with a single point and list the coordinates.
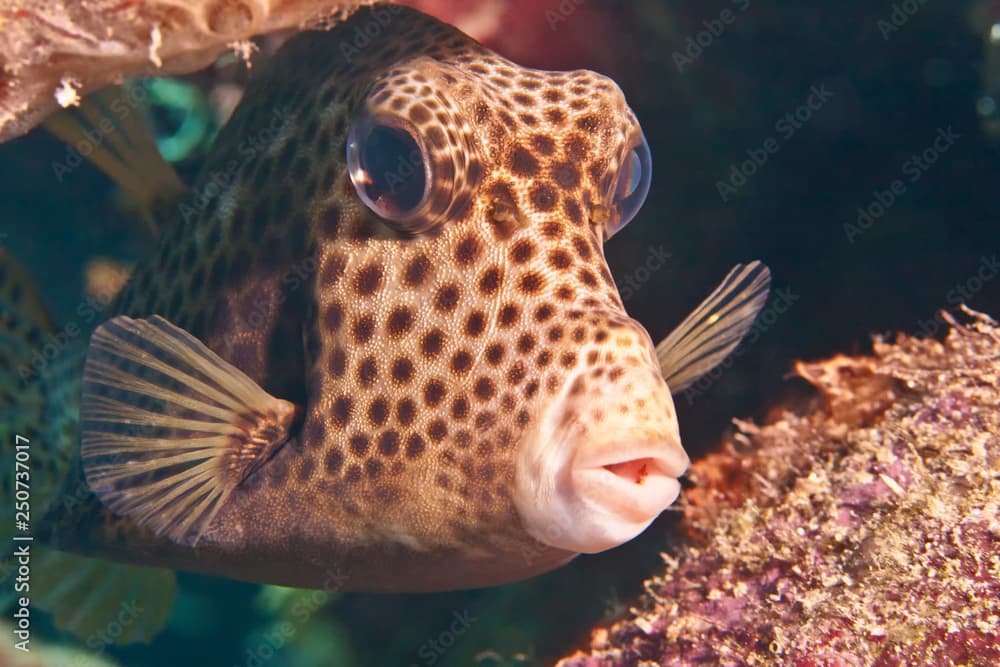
(636, 489)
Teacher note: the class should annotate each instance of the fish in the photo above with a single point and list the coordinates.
(378, 346)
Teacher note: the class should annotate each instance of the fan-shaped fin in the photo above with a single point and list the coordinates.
(169, 429)
(715, 327)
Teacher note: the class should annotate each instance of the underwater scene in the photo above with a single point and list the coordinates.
(500, 333)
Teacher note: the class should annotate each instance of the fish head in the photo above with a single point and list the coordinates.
(477, 381)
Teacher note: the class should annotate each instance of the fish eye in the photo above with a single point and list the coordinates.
(633, 184)
(389, 167)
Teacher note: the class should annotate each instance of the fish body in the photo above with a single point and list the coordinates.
(386, 300)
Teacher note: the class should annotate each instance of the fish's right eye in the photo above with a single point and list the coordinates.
(389, 167)
(634, 178)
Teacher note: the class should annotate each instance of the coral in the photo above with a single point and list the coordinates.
(865, 532)
(54, 52)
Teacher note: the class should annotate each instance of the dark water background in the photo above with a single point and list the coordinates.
(880, 96)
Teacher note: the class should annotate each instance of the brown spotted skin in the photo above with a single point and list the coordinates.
(422, 361)
(30, 414)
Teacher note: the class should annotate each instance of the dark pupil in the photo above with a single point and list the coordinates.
(395, 166)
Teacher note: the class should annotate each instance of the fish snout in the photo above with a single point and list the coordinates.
(605, 459)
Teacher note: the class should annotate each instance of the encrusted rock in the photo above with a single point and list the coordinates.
(864, 533)
(54, 52)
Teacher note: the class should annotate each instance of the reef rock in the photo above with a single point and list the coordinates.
(53, 52)
(866, 532)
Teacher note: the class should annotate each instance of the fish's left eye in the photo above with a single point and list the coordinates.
(633, 184)
(389, 167)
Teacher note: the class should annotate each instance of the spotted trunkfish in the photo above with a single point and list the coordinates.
(381, 350)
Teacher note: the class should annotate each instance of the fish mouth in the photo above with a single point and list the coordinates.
(588, 495)
(633, 489)
(604, 458)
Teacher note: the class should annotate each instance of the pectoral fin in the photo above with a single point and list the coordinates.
(715, 327)
(102, 602)
(169, 428)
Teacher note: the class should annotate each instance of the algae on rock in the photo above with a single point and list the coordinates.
(56, 52)
(866, 532)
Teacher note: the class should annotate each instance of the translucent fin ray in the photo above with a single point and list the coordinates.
(124, 148)
(714, 329)
(101, 601)
(168, 428)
